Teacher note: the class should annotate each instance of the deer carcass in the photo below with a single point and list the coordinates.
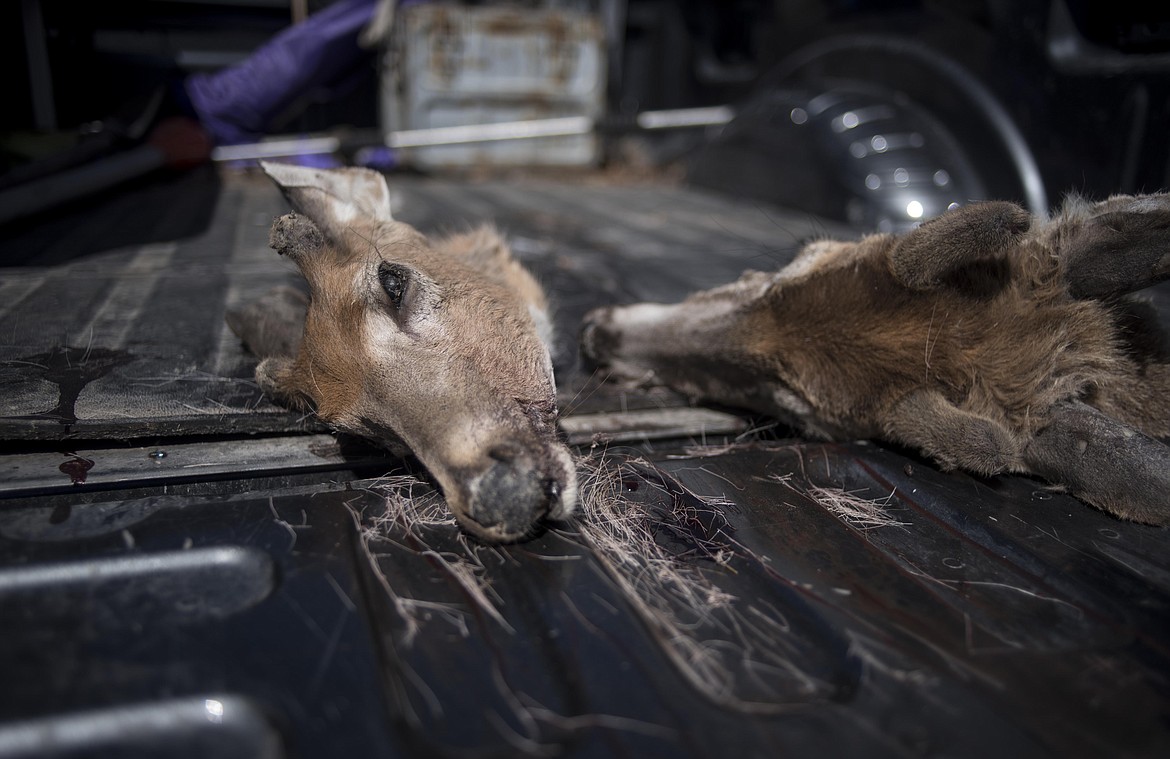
(987, 340)
(440, 344)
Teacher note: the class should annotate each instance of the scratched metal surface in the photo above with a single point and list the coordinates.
(267, 609)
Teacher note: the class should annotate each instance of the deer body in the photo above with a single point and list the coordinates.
(440, 344)
(987, 341)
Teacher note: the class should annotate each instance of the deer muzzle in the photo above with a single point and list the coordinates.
(515, 490)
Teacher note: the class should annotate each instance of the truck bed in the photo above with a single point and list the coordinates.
(189, 570)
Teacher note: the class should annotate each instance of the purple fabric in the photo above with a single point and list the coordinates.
(238, 103)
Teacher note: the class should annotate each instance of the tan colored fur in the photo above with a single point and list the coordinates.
(452, 364)
(960, 339)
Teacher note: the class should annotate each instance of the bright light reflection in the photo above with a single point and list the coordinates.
(214, 710)
(914, 209)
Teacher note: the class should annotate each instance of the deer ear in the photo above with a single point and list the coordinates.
(1123, 248)
(922, 258)
(276, 377)
(332, 198)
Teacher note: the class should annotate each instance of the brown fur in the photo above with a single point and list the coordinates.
(454, 365)
(963, 339)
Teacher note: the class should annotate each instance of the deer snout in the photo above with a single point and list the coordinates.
(516, 490)
(599, 338)
(624, 340)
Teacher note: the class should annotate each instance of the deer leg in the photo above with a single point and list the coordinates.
(271, 325)
(1104, 462)
(923, 258)
(955, 438)
(1123, 249)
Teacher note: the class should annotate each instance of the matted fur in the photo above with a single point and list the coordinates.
(987, 340)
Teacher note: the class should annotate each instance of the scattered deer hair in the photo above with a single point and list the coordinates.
(988, 340)
(438, 344)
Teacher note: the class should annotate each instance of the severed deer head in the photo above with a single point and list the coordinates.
(440, 344)
(987, 340)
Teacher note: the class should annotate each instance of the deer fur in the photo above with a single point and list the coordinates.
(438, 344)
(988, 340)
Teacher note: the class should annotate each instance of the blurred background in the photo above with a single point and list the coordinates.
(876, 113)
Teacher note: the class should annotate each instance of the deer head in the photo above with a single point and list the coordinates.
(441, 344)
(989, 341)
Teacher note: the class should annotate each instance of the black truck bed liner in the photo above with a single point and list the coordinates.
(189, 570)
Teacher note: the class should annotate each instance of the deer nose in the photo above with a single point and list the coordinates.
(511, 495)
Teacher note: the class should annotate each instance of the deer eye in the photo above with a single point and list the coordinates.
(393, 280)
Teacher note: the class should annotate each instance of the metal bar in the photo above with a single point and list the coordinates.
(678, 118)
(276, 148)
(650, 424)
(471, 133)
(505, 130)
(40, 473)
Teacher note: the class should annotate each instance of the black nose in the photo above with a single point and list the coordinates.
(511, 496)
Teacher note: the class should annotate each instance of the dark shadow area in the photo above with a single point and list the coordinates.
(161, 207)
